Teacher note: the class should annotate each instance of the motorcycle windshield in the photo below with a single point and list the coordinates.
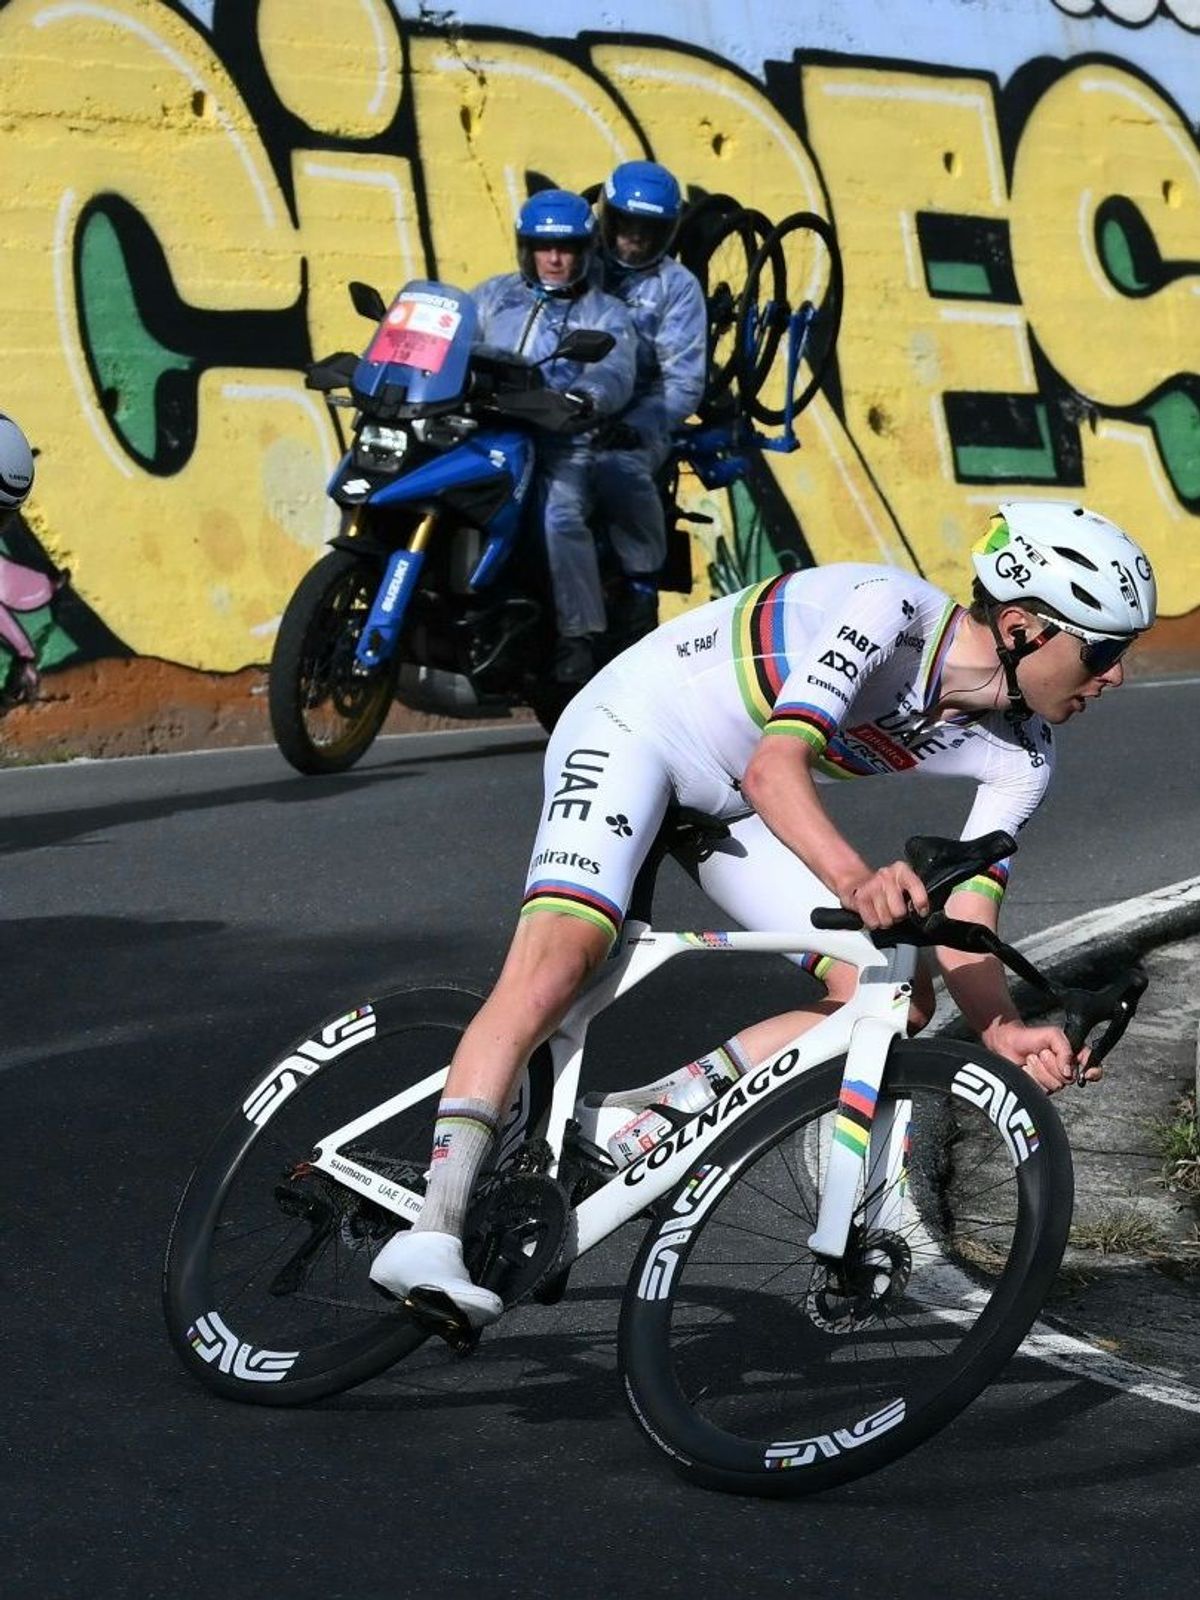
(423, 345)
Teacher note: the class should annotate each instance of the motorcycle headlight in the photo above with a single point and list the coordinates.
(380, 448)
(440, 433)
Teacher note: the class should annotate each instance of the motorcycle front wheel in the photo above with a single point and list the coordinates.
(326, 708)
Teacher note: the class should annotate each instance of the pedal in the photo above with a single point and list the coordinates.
(435, 1312)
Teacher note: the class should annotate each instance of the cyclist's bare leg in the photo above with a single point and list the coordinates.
(550, 957)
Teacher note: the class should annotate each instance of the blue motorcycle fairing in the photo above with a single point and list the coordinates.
(423, 345)
(490, 456)
(486, 455)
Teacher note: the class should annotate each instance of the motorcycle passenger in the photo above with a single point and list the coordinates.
(530, 311)
(834, 672)
(640, 210)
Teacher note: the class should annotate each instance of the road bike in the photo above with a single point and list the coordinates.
(839, 1253)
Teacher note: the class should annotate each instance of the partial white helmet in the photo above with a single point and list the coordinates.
(1088, 572)
(16, 465)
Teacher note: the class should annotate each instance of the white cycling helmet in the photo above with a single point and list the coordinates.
(1085, 570)
(16, 465)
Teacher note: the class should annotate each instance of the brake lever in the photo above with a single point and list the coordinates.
(1084, 1008)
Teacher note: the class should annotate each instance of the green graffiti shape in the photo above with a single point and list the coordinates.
(1175, 418)
(1014, 463)
(128, 361)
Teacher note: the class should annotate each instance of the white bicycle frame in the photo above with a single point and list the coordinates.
(862, 1030)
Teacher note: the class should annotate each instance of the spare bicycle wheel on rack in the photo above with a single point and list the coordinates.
(722, 264)
(700, 222)
(794, 282)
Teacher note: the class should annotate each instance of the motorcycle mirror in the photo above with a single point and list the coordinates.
(368, 302)
(586, 345)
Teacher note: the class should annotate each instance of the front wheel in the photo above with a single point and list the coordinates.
(325, 707)
(761, 1368)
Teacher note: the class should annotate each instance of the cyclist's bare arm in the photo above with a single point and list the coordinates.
(978, 985)
(778, 783)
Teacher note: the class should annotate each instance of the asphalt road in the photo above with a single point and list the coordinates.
(170, 923)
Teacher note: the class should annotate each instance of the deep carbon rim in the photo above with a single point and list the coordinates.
(233, 1332)
(714, 1337)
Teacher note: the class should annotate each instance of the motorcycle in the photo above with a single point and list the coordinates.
(434, 591)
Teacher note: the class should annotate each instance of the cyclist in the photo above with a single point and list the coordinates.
(640, 208)
(530, 311)
(735, 709)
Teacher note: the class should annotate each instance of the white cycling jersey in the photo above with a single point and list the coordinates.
(847, 658)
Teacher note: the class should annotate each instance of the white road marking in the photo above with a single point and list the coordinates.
(1084, 1360)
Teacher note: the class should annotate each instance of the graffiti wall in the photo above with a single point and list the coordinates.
(186, 189)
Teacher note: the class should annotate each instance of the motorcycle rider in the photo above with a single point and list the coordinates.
(530, 311)
(640, 209)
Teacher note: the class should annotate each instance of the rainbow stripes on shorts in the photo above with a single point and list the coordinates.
(568, 899)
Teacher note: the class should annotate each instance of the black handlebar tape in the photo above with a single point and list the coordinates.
(836, 917)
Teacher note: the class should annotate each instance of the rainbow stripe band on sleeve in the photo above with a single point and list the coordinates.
(991, 884)
(759, 657)
(552, 894)
(803, 721)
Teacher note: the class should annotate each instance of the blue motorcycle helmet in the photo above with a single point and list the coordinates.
(555, 216)
(642, 204)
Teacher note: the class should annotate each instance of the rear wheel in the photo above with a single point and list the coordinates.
(325, 707)
(265, 1288)
(761, 1368)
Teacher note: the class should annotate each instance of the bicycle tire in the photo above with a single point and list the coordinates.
(325, 711)
(700, 221)
(723, 266)
(763, 320)
(280, 1320)
(951, 1317)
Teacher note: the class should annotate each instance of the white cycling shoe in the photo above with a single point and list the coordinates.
(428, 1260)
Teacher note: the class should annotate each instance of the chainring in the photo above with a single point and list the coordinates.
(515, 1234)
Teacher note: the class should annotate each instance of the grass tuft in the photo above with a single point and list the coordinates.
(1177, 1140)
(1119, 1230)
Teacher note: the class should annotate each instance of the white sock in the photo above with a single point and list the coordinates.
(462, 1137)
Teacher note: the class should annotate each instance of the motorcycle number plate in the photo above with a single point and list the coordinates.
(415, 334)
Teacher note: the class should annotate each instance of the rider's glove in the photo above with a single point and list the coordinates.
(582, 404)
(618, 436)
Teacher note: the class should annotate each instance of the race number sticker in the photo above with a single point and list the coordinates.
(415, 333)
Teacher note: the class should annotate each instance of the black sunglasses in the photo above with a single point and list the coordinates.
(1098, 655)
(1101, 655)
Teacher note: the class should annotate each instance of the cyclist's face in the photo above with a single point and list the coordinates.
(557, 264)
(1058, 681)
